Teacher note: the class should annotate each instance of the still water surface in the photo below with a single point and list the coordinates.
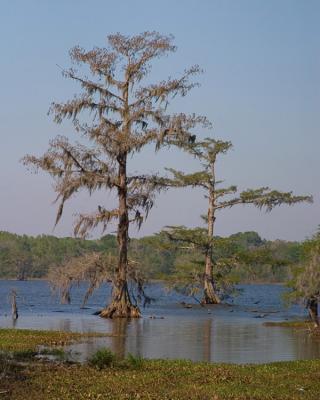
(225, 333)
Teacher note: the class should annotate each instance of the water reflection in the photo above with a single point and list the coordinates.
(119, 332)
(218, 338)
(14, 322)
(211, 340)
(207, 332)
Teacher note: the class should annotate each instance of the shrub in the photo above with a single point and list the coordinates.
(103, 358)
(22, 355)
(135, 362)
(55, 353)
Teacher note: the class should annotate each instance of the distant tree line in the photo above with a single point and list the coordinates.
(258, 260)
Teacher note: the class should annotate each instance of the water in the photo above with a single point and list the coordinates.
(226, 333)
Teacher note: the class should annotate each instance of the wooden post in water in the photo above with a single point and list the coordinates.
(14, 307)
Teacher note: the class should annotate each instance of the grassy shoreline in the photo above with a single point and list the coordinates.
(174, 380)
(151, 379)
(29, 339)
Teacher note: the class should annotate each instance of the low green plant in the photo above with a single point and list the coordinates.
(22, 355)
(135, 362)
(57, 353)
(29, 339)
(103, 358)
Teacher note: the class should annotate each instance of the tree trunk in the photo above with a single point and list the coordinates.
(312, 306)
(209, 292)
(121, 305)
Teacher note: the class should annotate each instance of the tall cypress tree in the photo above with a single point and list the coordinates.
(118, 114)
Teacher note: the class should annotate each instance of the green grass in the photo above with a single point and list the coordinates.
(23, 355)
(57, 352)
(103, 358)
(28, 339)
(134, 378)
(174, 380)
(135, 362)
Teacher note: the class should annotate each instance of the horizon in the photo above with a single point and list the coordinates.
(141, 237)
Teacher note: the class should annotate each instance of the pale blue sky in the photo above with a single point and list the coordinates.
(261, 89)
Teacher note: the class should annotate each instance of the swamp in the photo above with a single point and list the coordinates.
(140, 256)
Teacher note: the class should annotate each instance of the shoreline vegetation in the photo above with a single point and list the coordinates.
(106, 377)
(25, 257)
(29, 339)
